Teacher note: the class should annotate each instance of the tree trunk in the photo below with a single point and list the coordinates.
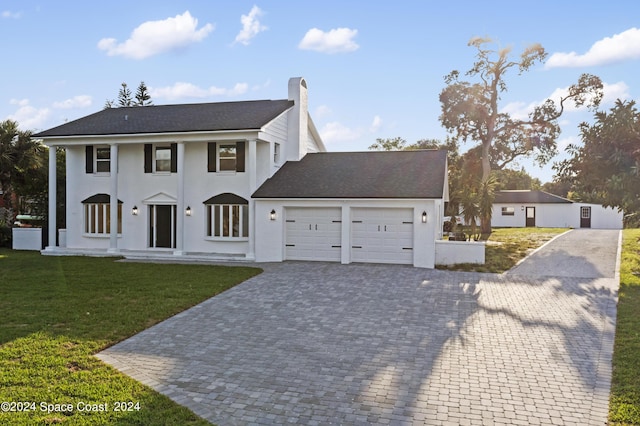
(485, 222)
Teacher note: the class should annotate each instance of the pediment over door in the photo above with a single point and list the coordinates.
(160, 198)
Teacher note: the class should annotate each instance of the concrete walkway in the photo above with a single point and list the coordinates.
(318, 343)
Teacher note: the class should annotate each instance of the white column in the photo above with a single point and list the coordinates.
(251, 163)
(180, 216)
(52, 199)
(113, 194)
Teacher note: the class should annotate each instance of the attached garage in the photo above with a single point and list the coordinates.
(369, 207)
(382, 235)
(313, 233)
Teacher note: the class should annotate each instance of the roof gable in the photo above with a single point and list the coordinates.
(398, 174)
(527, 196)
(220, 116)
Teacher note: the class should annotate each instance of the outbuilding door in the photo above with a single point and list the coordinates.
(382, 235)
(530, 216)
(585, 217)
(313, 233)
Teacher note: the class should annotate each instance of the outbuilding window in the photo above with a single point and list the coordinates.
(508, 211)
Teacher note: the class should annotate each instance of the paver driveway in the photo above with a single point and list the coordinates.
(318, 343)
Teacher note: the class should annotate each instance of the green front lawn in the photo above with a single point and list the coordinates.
(56, 312)
(624, 403)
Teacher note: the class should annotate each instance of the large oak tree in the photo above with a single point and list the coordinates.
(605, 168)
(471, 110)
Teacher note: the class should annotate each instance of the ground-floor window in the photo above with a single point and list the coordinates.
(228, 220)
(97, 218)
(97, 215)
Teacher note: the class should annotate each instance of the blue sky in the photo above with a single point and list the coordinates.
(374, 69)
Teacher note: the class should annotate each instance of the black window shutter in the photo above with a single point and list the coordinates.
(174, 158)
(211, 156)
(148, 158)
(88, 165)
(240, 156)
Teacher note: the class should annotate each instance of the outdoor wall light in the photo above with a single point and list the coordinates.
(272, 215)
(521, 208)
(134, 211)
(188, 211)
(424, 217)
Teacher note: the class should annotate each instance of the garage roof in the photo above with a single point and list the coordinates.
(219, 116)
(397, 174)
(526, 196)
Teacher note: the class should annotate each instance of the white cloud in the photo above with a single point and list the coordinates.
(337, 132)
(81, 101)
(11, 15)
(376, 124)
(338, 40)
(620, 47)
(182, 90)
(29, 117)
(154, 37)
(251, 26)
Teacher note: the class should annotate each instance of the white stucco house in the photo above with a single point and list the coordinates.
(521, 208)
(242, 180)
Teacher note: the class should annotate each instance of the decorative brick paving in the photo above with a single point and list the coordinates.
(318, 343)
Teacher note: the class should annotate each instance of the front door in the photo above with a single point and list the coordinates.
(585, 217)
(162, 226)
(531, 216)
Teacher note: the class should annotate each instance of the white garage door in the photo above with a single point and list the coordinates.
(382, 235)
(313, 234)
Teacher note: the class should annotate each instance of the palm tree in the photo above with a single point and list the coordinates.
(20, 158)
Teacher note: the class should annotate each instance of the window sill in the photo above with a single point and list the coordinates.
(227, 239)
(99, 235)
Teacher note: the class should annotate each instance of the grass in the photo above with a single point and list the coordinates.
(506, 246)
(56, 312)
(624, 402)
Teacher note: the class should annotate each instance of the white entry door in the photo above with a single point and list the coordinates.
(382, 235)
(313, 233)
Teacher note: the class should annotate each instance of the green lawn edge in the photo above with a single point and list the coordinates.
(57, 312)
(624, 401)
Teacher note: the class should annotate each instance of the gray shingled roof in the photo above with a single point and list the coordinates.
(399, 174)
(540, 197)
(218, 116)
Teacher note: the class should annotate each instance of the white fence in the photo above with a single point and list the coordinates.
(453, 252)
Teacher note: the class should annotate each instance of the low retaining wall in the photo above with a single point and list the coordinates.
(452, 252)
(27, 238)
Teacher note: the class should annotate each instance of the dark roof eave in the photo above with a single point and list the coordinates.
(142, 134)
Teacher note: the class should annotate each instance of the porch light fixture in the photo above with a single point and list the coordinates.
(272, 215)
(521, 208)
(424, 217)
(188, 211)
(134, 211)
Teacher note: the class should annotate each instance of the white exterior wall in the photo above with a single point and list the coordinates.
(561, 215)
(602, 217)
(270, 235)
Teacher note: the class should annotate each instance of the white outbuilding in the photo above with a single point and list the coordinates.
(522, 208)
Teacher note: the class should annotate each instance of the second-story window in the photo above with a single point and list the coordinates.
(227, 154)
(163, 159)
(226, 157)
(103, 160)
(160, 158)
